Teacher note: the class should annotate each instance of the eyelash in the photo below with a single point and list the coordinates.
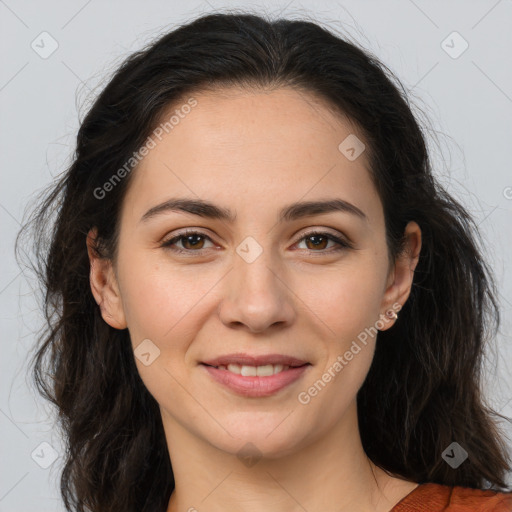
(342, 244)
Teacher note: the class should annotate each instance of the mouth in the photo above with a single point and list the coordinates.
(254, 371)
(255, 376)
(255, 360)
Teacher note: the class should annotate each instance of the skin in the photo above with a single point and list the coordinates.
(253, 152)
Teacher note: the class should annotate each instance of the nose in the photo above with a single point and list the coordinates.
(256, 296)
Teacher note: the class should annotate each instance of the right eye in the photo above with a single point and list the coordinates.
(192, 239)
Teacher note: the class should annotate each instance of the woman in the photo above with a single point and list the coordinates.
(258, 296)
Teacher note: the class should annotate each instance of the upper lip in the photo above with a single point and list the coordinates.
(253, 360)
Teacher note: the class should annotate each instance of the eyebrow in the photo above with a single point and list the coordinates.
(294, 211)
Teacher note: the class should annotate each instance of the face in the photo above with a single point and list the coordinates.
(293, 286)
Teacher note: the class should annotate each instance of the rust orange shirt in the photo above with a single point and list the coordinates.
(430, 497)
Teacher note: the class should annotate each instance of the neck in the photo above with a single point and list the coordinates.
(332, 472)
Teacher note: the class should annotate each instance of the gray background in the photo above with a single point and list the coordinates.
(468, 100)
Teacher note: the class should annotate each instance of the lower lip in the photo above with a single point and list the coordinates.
(256, 386)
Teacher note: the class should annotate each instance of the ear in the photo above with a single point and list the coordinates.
(104, 285)
(400, 280)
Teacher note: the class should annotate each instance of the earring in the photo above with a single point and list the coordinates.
(392, 314)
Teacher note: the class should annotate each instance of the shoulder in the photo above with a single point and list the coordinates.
(441, 498)
(481, 500)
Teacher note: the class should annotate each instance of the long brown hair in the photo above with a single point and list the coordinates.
(423, 389)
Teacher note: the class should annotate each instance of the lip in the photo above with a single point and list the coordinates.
(253, 360)
(256, 386)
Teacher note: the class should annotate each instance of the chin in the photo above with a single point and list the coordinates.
(265, 434)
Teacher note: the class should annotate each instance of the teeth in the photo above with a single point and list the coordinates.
(253, 371)
(279, 368)
(249, 371)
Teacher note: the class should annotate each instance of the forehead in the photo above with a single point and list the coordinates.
(244, 148)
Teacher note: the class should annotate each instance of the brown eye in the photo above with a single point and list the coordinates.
(318, 242)
(191, 241)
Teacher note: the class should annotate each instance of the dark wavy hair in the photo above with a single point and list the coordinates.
(423, 390)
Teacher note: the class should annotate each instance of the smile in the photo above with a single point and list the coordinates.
(255, 381)
(254, 371)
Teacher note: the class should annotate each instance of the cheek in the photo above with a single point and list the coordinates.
(347, 310)
(161, 300)
(163, 305)
(346, 301)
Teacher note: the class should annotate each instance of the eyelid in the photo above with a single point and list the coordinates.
(182, 234)
(342, 241)
(324, 231)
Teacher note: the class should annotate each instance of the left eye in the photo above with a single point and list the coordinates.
(191, 241)
(319, 239)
